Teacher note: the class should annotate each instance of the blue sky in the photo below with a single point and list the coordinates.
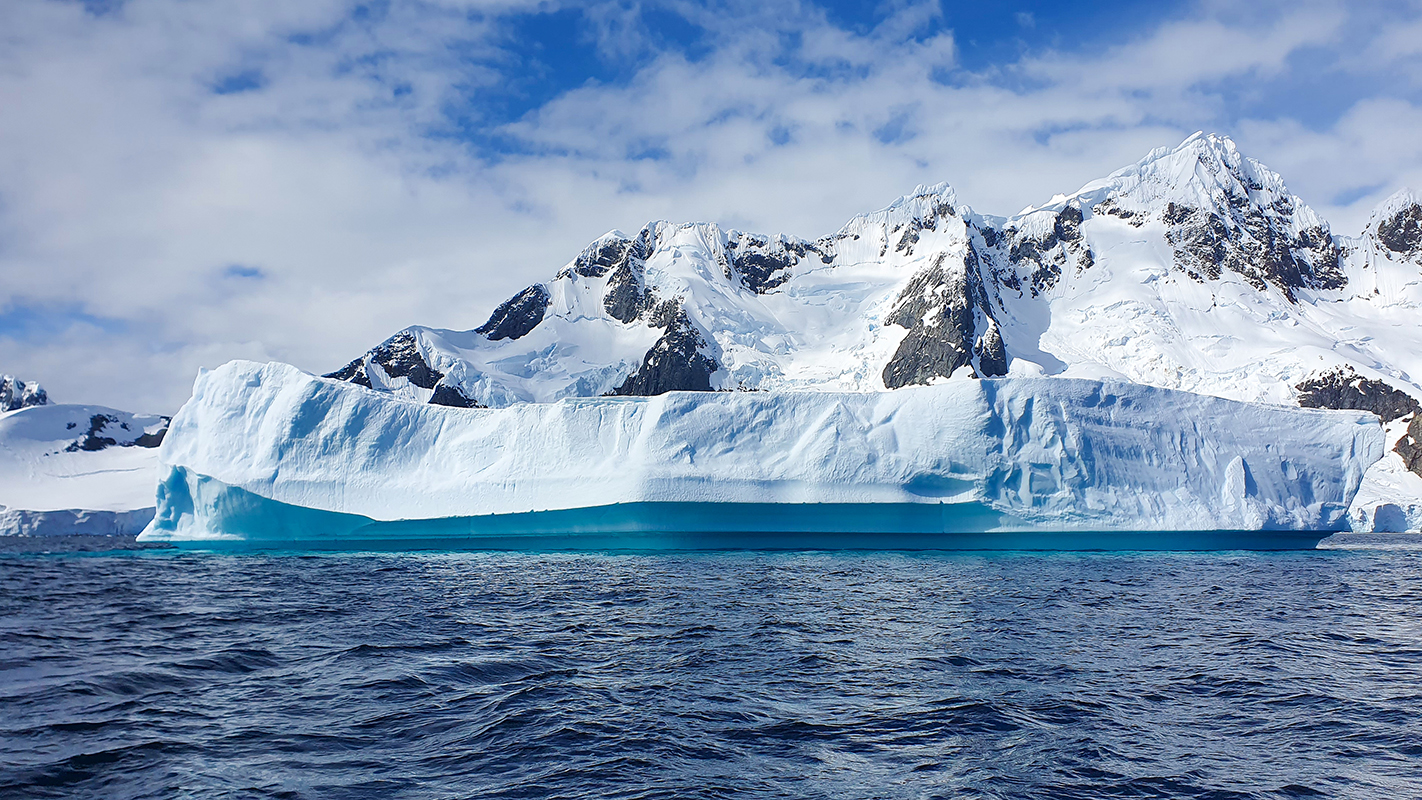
(187, 181)
(553, 52)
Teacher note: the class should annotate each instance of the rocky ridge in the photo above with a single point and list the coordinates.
(16, 394)
(927, 289)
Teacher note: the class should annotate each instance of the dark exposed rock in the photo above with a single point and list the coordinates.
(92, 440)
(353, 372)
(517, 316)
(155, 438)
(909, 239)
(991, 352)
(1046, 256)
(605, 256)
(1045, 259)
(399, 356)
(16, 394)
(763, 265)
(950, 325)
(151, 439)
(665, 313)
(446, 395)
(626, 296)
(1344, 388)
(1068, 225)
(910, 235)
(676, 363)
(1108, 206)
(1402, 232)
(101, 435)
(1410, 445)
(762, 272)
(1254, 244)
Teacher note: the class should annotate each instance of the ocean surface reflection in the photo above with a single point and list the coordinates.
(1219, 675)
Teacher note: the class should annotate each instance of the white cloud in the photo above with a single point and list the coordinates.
(128, 188)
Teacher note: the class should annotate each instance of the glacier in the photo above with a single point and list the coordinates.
(265, 454)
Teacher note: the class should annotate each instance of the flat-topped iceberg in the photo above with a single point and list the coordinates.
(267, 453)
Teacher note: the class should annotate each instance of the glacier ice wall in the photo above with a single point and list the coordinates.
(1042, 453)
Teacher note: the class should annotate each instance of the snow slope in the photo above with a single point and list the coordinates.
(1194, 269)
(1014, 453)
(77, 469)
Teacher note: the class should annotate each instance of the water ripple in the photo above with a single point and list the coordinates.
(715, 675)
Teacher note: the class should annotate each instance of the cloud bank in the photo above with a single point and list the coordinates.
(182, 183)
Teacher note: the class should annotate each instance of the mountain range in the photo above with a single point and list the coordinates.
(1193, 269)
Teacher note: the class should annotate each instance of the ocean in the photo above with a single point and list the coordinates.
(166, 674)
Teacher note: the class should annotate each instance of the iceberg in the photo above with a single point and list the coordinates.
(268, 455)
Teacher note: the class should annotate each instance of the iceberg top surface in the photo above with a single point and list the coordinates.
(1046, 452)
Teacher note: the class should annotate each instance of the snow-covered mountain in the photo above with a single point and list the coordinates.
(1193, 269)
(75, 468)
(16, 394)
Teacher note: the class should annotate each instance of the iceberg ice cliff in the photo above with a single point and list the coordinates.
(267, 452)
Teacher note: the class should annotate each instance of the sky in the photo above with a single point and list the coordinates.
(184, 182)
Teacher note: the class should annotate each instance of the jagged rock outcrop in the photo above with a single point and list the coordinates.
(109, 430)
(950, 325)
(613, 252)
(1401, 232)
(518, 315)
(676, 363)
(1039, 248)
(400, 356)
(626, 295)
(1344, 388)
(1223, 213)
(763, 264)
(1410, 445)
(16, 394)
(446, 395)
(1249, 242)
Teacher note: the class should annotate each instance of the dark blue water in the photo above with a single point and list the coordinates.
(715, 675)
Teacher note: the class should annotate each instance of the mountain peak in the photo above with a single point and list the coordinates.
(1204, 171)
(16, 394)
(925, 203)
(1396, 223)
